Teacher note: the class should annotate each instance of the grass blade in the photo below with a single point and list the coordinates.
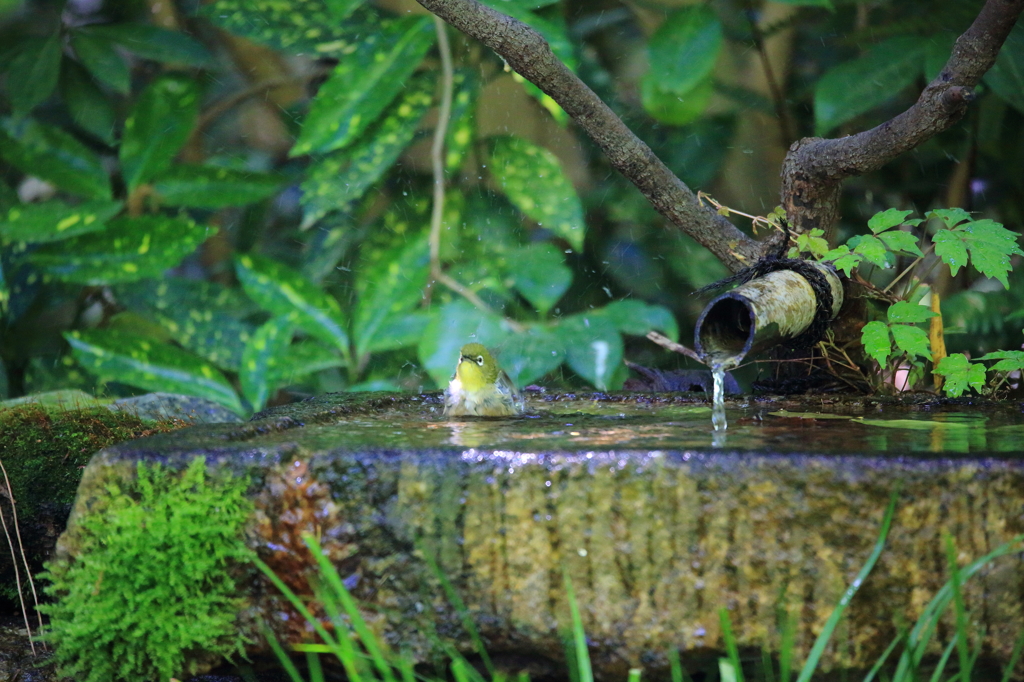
(822, 641)
(316, 672)
(941, 665)
(579, 638)
(282, 655)
(634, 675)
(679, 674)
(460, 607)
(787, 645)
(962, 645)
(731, 649)
(1014, 657)
(885, 656)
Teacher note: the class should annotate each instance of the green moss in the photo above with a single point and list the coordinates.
(152, 591)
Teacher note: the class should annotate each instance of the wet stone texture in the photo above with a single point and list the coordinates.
(657, 528)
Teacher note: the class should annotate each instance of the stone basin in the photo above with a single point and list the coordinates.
(658, 521)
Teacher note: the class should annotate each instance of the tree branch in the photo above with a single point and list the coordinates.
(815, 167)
(529, 54)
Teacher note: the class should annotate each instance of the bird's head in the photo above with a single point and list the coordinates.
(476, 367)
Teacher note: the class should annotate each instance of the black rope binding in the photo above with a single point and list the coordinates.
(775, 261)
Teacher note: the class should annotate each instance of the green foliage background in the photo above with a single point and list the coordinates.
(231, 199)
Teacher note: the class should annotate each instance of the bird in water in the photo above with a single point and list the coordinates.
(480, 388)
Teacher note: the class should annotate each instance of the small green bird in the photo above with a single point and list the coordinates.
(480, 388)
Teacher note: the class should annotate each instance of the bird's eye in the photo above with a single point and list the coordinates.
(480, 360)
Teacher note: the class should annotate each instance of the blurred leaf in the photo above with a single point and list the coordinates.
(911, 340)
(529, 355)
(676, 109)
(131, 248)
(539, 273)
(90, 109)
(1006, 77)
(32, 75)
(808, 3)
(887, 219)
(335, 181)
(960, 374)
(937, 52)
(341, 9)
(102, 60)
(53, 220)
(153, 42)
(455, 325)
(638, 318)
(213, 187)
(875, 337)
(552, 30)
(263, 351)
(462, 126)
(399, 331)
(898, 240)
(302, 359)
(533, 180)
(148, 364)
(683, 51)
(593, 347)
(158, 127)
(908, 313)
(286, 24)
(56, 156)
(282, 291)
(390, 289)
(859, 85)
(363, 84)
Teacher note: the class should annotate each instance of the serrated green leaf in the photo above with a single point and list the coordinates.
(363, 85)
(677, 109)
(638, 318)
(213, 187)
(529, 355)
(390, 289)
(539, 273)
(304, 27)
(455, 325)
(153, 42)
(844, 259)
(32, 75)
(875, 337)
(898, 240)
(89, 107)
(283, 291)
(812, 243)
(872, 249)
(950, 247)
(102, 60)
(52, 154)
(158, 127)
(267, 345)
(1009, 360)
(950, 216)
(683, 51)
(1006, 77)
(593, 347)
(960, 374)
(861, 84)
(342, 177)
(991, 245)
(53, 220)
(154, 366)
(131, 248)
(911, 340)
(887, 219)
(533, 180)
(908, 313)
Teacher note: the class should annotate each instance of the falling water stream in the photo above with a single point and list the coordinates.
(718, 402)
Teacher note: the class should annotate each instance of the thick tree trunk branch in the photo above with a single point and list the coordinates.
(815, 167)
(529, 54)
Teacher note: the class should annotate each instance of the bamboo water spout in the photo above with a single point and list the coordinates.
(764, 312)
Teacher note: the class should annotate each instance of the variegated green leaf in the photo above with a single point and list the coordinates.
(462, 126)
(153, 42)
(399, 331)
(283, 291)
(151, 365)
(158, 127)
(213, 187)
(533, 180)
(50, 153)
(262, 352)
(342, 177)
(363, 85)
(131, 248)
(302, 359)
(55, 220)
